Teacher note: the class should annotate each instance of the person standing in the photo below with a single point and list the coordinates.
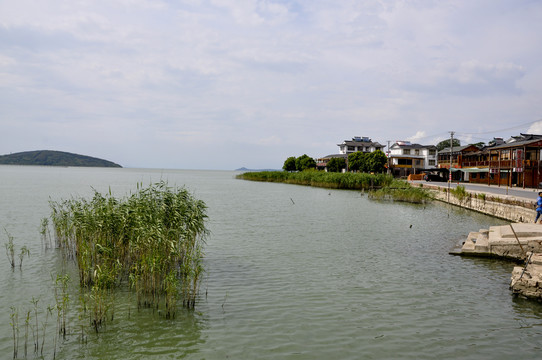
(538, 206)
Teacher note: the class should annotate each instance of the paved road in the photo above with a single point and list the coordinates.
(524, 194)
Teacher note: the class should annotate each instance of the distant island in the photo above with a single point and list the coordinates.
(245, 169)
(54, 158)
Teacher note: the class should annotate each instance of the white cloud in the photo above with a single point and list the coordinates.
(265, 77)
(535, 128)
(417, 137)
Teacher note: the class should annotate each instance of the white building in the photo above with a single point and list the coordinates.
(358, 143)
(406, 158)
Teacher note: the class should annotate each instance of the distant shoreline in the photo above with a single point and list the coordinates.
(54, 158)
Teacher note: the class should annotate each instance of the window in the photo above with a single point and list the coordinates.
(406, 151)
(432, 152)
(431, 162)
(351, 148)
(417, 151)
(404, 162)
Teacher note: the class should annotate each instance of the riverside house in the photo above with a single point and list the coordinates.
(454, 161)
(515, 162)
(358, 143)
(405, 158)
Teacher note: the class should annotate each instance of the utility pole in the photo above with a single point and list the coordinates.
(451, 160)
(451, 152)
(389, 170)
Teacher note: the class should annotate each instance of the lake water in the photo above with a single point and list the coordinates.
(293, 272)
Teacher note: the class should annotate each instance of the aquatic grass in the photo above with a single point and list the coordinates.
(14, 323)
(35, 330)
(26, 327)
(151, 240)
(400, 190)
(10, 249)
(48, 313)
(352, 181)
(380, 186)
(45, 234)
(24, 252)
(62, 299)
(460, 193)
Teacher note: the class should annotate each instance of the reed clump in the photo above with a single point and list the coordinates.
(10, 249)
(400, 190)
(351, 181)
(151, 241)
(460, 193)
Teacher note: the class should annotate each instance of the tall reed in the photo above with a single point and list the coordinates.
(151, 240)
(14, 323)
(10, 249)
(400, 190)
(353, 181)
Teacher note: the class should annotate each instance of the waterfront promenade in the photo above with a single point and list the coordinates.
(493, 190)
(513, 204)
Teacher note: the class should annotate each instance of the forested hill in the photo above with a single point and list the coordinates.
(53, 158)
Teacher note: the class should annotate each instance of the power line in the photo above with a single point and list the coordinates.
(469, 135)
(501, 130)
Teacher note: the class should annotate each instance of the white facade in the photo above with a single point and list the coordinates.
(404, 155)
(358, 143)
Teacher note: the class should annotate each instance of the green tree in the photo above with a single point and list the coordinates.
(336, 164)
(356, 161)
(446, 144)
(376, 161)
(305, 162)
(479, 145)
(289, 164)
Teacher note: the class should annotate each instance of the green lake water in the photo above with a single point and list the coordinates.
(293, 272)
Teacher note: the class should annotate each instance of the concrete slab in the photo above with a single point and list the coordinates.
(506, 241)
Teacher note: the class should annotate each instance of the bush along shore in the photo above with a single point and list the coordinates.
(379, 186)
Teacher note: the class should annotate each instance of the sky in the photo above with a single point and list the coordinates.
(224, 84)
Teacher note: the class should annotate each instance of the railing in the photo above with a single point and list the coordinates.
(493, 164)
(496, 164)
(475, 163)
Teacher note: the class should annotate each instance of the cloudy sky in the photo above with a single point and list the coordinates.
(221, 84)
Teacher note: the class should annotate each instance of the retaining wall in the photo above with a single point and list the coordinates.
(504, 207)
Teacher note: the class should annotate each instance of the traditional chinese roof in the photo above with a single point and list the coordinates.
(517, 141)
(407, 145)
(456, 149)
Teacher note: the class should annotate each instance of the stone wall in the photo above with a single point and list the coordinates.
(504, 207)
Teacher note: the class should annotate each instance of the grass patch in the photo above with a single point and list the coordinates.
(351, 181)
(380, 186)
(400, 190)
(460, 193)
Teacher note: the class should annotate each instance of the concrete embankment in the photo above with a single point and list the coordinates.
(515, 209)
(519, 242)
(512, 241)
(527, 280)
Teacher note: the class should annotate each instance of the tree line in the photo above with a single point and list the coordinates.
(374, 162)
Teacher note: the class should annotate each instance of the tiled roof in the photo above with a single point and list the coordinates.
(334, 156)
(413, 146)
(455, 149)
(515, 141)
(360, 143)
